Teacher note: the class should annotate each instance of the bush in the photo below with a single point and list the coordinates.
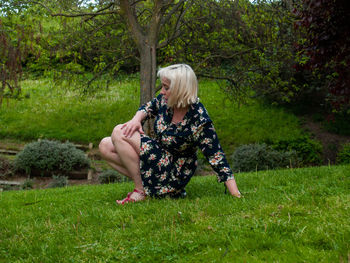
(58, 181)
(343, 156)
(111, 176)
(309, 151)
(27, 184)
(51, 156)
(251, 157)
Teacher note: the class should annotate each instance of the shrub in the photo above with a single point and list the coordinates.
(309, 151)
(58, 181)
(50, 156)
(27, 184)
(111, 176)
(343, 156)
(251, 157)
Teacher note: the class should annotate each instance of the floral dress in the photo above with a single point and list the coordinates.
(168, 161)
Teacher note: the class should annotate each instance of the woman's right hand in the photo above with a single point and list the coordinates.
(131, 126)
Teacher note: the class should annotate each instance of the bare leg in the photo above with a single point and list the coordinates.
(109, 154)
(128, 150)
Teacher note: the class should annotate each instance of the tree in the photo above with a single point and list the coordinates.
(145, 20)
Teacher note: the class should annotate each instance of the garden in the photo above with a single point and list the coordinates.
(274, 79)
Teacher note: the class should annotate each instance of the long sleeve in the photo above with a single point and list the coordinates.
(151, 108)
(208, 142)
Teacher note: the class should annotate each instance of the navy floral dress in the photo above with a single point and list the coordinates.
(168, 161)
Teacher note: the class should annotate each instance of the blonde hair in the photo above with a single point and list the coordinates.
(183, 85)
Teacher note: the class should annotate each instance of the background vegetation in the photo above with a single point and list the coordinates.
(261, 48)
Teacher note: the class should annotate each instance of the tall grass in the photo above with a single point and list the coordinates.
(56, 113)
(295, 215)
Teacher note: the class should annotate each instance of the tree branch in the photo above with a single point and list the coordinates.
(98, 74)
(173, 11)
(227, 57)
(176, 32)
(97, 13)
(86, 14)
(130, 16)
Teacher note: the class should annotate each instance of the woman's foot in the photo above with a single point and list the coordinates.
(134, 196)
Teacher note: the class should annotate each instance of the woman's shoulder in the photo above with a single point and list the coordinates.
(200, 113)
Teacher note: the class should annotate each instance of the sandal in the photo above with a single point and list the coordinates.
(134, 196)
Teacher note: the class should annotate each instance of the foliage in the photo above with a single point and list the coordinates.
(58, 181)
(327, 45)
(308, 151)
(248, 45)
(45, 155)
(110, 176)
(256, 157)
(27, 184)
(289, 215)
(343, 156)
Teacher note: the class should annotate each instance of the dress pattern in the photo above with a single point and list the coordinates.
(168, 161)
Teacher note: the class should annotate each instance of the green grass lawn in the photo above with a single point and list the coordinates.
(295, 215)
(56, 113)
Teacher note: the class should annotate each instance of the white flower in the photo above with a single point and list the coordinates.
(213, 161)
(152, 157)
(148, 173)
(163, 177)
(145, 147)
(164, 190)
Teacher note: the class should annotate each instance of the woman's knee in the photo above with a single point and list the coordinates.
(117, 133)
(105, 145)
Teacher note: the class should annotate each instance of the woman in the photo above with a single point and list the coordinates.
(165, 164)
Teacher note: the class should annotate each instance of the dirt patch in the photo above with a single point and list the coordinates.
(331, 142)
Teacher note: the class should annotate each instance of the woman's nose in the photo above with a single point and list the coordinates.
(162, 91)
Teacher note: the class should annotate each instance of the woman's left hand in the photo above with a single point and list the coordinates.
(132, 126)
(232, 187)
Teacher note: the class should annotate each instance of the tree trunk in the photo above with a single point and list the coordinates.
(148, 78)
(147, 72)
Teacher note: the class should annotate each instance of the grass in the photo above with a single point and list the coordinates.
(56, 113)
(295, 215)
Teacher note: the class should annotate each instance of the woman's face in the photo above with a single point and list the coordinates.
(165, 88)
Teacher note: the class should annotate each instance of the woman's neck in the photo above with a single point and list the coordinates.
(179, 114)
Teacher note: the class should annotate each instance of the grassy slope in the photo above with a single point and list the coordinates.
(296, 215)
(55, 113)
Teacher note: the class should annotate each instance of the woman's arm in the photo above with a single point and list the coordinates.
(232, 187)
(146, 111)
(134, 124)
(211, 148)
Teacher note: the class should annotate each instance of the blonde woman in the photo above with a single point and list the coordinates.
(164, 165)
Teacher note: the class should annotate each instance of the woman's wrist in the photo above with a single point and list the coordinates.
(139, 116)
